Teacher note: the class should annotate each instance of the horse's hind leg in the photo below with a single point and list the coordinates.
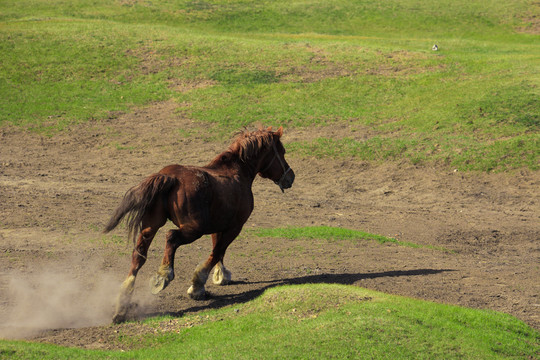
(138, 258)
(165, 274)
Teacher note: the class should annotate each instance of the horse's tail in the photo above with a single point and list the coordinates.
(138, 200)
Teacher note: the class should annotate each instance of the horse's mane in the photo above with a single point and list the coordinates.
(248, 144)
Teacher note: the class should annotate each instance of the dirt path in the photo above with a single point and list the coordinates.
(56, 194)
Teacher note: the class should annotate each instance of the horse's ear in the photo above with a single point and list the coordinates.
(279, 131)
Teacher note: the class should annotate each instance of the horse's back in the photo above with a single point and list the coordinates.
(174, 170)
(213, 199)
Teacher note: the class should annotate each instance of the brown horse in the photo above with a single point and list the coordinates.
(214, 199)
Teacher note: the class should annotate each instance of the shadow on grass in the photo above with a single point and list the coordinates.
(215, 302)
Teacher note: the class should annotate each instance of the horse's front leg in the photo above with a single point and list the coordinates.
(220, 243)
(165, 273)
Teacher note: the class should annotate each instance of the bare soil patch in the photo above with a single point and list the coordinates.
(57, 193)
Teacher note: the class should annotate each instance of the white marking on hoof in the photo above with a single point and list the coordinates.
(160, 281)
(221, 276)
(128, 284)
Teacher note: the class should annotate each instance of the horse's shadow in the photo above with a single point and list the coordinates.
(239, 298)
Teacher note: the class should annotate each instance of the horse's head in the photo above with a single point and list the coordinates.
(273, 165)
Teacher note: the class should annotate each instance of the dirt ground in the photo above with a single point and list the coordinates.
(59, 275)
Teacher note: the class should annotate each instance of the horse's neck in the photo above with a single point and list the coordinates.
(231, 165)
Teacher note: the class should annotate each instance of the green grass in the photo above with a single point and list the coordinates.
(472, 105)
(57, 72)
(459, 152)
(404, 18)
(325, 233)
(330, 233)
(318, 321)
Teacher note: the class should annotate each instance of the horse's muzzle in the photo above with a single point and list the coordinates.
(286, 180)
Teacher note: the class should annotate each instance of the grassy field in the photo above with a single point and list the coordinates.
(322, 321)
(472, 105)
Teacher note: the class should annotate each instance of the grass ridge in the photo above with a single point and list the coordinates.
(324, 320)
(331, 233)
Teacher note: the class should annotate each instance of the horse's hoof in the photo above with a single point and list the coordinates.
(158, 283)
(196, 294)
(119, 318)
(221, 277)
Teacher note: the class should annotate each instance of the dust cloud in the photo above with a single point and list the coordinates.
(55, 299)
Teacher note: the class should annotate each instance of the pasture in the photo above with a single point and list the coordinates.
(416, 175)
